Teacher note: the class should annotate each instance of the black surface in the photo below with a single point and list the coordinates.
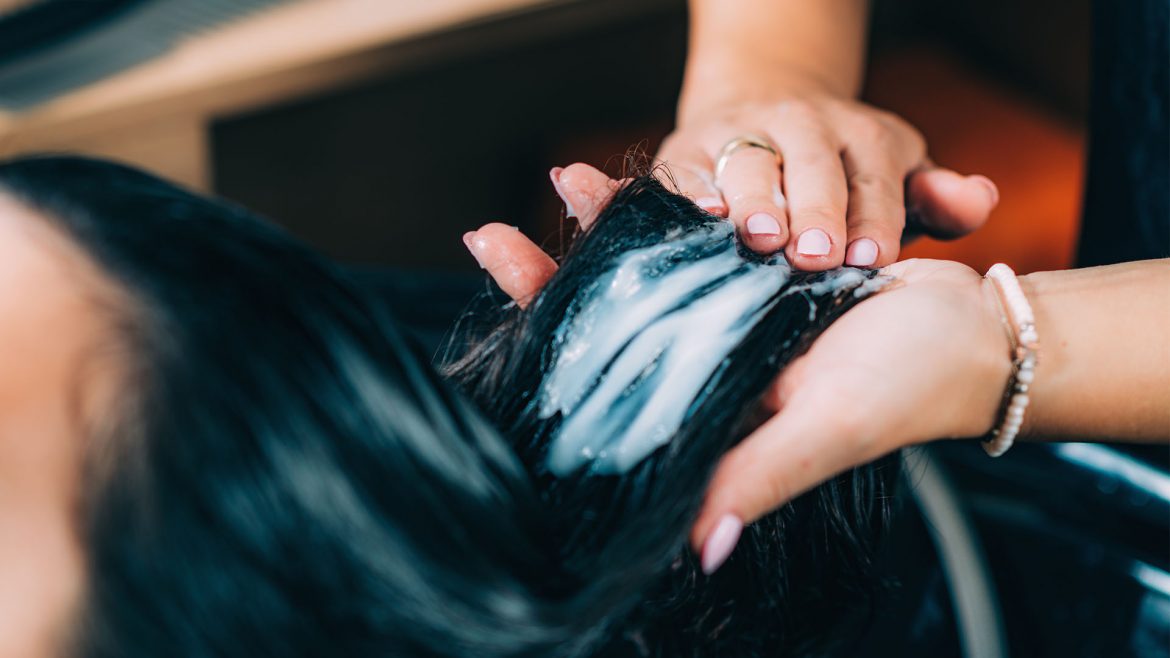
(1127, 196)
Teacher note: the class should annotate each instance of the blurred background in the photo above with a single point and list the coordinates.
(381, 130)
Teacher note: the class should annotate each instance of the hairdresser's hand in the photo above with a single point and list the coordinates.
(517, 264)
(923, 360)
(840, 194)
(927, 359)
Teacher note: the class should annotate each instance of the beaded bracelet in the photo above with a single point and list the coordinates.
(1021, 326)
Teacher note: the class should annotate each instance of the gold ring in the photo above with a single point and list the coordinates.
(748, 140)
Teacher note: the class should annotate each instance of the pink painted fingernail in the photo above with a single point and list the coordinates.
(762, 223)
(813, 242)
(555, 175)
(862, 253)
(711, 204)
(992, 189)
(720, 543)
(469, 240)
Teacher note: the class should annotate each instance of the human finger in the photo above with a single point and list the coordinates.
(689, 170)
(880, 150)
(584, 189)
(519, 267)
(750, 181)
(809, 441)
(946, 204)
(814, 184)
(876, 212)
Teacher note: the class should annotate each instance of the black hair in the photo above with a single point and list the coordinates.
(801, 578)
(286, 476)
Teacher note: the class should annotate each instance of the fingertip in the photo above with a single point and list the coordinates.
(989, 186)
(763, 224)
(492, 231)
(489, 243)
(814, 250)
(713, 205)
(763, 231)
(872, 252)
(707, 522)
(764, 245)
(517, 264)
(694, 187)
(469, 242)
(949, 204)
(720, 543)
(862, 252)
(814, 242)
(585, 190)
(555, 175)
(582, 177)
(807, 264)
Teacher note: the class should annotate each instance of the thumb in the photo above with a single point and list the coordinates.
(945, 204)
(518, 266)
(808, 442)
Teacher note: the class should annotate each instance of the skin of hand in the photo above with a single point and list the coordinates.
(927, 358)
(516, 264)
(790, 71)
(849, 172)
(936, 335)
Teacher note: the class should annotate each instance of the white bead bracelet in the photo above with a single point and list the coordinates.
(1021, 326)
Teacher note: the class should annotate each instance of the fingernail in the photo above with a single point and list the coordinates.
(813, 242)
(468, 239)
(555, 175)
(862, 253)
(709, 204)
(720, 543)
(991, 188)
(762, 223)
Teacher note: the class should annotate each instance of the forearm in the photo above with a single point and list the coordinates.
(738, 46)
(1104, 368)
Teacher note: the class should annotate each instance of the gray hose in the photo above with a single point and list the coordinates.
(977, 611)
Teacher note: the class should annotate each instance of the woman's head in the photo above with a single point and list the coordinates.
(246, 458)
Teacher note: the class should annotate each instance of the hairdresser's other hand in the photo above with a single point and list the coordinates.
(927, 359)
(517, 264)
(840, 194)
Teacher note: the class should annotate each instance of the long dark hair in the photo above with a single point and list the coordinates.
(286, 476)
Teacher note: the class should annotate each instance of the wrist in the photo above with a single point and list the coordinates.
(1049, 367)
(990, 365)
(736, 80)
